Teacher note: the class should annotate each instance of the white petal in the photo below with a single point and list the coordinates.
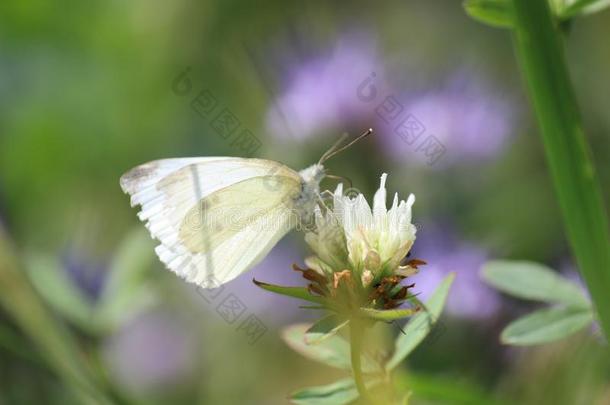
(339, 190)
(395, 202)
(380, 196)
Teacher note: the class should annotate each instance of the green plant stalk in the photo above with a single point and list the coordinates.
(539, 49)
(356, 333)
(55, 344)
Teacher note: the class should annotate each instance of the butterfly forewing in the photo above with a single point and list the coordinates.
(219, 216)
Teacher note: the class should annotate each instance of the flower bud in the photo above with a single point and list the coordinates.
(372, 261)
(366, 278)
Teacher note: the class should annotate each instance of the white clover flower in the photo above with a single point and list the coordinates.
(328, 242)
(376, 240)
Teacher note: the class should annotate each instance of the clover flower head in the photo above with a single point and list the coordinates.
(378, 238)
(372, 241)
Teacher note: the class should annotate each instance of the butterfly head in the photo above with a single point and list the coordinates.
(310, 186)
(313, 175)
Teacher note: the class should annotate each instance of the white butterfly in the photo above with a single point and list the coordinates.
(216, 217)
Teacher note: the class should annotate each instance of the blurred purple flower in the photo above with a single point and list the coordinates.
(470, 118)
(154, 351)
(469, 297)
(320, 93)
(347, 88)
(87, 273)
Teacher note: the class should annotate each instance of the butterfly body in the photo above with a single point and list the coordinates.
(310, 188)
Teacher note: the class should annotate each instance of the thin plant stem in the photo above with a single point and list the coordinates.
(539, 48)
(356, 337)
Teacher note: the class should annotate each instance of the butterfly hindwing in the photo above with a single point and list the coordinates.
(215, 217)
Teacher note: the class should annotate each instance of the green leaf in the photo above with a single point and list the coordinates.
(497, 13)
(294, 292)
(126, 291)
(532, 281)
(52, 282)
(572, 8)
(338, 393)
(324, 328)
(420, 325)
(387, 315)
(333, 351)
(546, 325)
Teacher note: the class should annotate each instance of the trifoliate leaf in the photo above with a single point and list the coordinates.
(324, 329)
(497, 13)
(572, 8)
(338, 393)
(532, 281)
(334, 351)
(546, 325)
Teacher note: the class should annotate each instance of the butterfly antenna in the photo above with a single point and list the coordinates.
(335, 177)
(335, 150)
(330, 150)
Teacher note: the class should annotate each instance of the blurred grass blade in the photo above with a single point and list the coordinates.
(540, 52)
(532, 281)
(55, 344)
(126, 292)
(334, 351)
(546, 325)
(497, 13)
(420, 325)
(387, 315)
(324, 329)
(52, 282)
(12, 341)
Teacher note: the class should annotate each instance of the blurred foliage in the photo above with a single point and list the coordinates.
(86, 93)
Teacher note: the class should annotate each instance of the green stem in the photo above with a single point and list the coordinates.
(539, 48)
(356, 335)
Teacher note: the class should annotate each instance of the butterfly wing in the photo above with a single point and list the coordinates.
(215, 217)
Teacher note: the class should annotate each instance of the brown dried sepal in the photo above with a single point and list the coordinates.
(315, 289)
(416, 262)
(382, 292)
(319, 283)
